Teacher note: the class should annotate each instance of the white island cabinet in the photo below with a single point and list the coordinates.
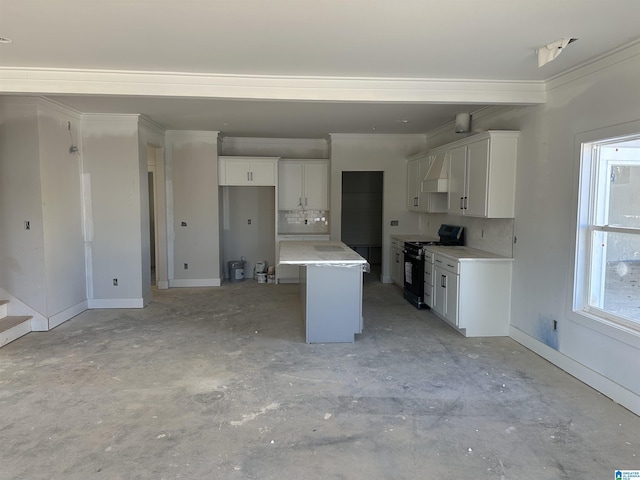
(330, 288)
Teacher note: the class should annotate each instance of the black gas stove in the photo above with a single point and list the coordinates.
(451, 235)
(414, 262)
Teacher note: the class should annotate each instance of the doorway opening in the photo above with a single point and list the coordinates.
(361, 223)
(152, 227)
(156, 270)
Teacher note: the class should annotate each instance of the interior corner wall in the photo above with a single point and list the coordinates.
(60, 172)
(112, 165)
(386, 153)
(193, 216)
(22, 252)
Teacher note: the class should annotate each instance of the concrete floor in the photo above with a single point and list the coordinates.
(217, 383)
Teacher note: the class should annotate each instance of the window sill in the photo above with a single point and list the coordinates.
(618, 331)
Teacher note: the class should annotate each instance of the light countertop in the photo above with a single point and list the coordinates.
(465, 253)
(317, 253)
(415, 238)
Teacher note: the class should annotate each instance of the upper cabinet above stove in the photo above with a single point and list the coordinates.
(477, 174)
(419, 197)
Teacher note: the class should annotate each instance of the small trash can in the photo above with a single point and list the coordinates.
(236, 270)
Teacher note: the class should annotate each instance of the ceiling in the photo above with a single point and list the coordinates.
(299, 68)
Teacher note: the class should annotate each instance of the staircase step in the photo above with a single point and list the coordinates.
(3, 308)
(14, 327)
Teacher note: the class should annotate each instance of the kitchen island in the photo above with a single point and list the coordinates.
(330, 288)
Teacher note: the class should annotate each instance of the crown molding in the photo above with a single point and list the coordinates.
(151, 125)
(192, 135)
(619, 55)
(383, 137)
(354, 89)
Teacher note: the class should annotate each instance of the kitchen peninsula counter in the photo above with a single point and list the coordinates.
(330, 288)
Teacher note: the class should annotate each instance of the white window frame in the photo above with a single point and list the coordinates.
(587, 145)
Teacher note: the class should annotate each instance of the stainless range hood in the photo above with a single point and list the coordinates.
(437, 178)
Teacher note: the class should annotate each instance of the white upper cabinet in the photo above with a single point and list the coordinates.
(303, 184)
(413, 182)
(482, 175)
(254, 171)
(419, 199)
(457, 179)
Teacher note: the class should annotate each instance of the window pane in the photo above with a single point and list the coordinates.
(624, 196)
(615, 274)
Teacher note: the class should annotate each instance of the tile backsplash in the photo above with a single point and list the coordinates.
(489, 234)
(303, 221)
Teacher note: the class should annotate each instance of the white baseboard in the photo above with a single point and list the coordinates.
(67, 314)
(195, 282)
(115, 303)
(615, 392)
(163, 285)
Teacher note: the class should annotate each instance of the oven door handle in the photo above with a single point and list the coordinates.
(407, 255)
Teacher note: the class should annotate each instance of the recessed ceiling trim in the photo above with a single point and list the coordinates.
(334, 89)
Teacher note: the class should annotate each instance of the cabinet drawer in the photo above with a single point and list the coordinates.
(447, 264)
(428, 294)
(395, 243)
(428, 272)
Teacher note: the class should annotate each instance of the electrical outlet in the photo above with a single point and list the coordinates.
(183, 224)
(115, 282)
(394, 223)
(555, 325)
(249, 222)
(27, 225)
(69, 126)
(186, 266)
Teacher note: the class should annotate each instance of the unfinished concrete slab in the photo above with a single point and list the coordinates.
(219, 383)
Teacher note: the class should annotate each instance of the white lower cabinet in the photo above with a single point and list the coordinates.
(446, 287)
(429, 275)
(472, 295)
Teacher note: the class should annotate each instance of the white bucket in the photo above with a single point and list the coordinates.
(262, 277)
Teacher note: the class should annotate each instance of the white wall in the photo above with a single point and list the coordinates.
(275, 147)
(22, 256)
(60, 172)
(386, 153)
(192, 172)
(43, 268)
(255, 241)
(118, 197)
(602, 95)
